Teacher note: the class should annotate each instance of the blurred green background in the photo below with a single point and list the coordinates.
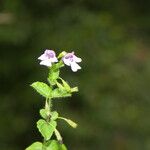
(112, 107)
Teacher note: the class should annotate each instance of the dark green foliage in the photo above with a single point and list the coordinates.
(113, 105)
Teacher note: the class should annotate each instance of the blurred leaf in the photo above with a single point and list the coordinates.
(74, 89)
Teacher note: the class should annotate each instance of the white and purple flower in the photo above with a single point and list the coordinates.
(48, 58)
(71, 60)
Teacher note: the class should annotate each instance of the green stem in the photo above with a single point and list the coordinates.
(48, 106)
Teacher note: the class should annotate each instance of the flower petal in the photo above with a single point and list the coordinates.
(46, 63)
(75, 66)
(54, 59)
(42, 57)
(50, 53)
(66, 61)
(77, 59)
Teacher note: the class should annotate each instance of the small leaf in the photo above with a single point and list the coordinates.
(70, 122)
(55, 145)
(35, 146)
(44, 113)
(75, 89)
(53, 75)
(66, 85)
(58, 93)
(60, 64)
(42, 88)
(46, 129)
(54, 115)
(58, 136)
(60, 86)
(62, 54)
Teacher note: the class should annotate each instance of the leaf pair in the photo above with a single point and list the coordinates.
(47, 92)
(45, 114)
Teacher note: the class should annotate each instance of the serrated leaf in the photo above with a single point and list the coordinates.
(42, 88)
(55, 145)
(46, 129)
(54, 115)
(35, 146)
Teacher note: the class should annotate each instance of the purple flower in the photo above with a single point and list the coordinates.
(71, 60)
(48, 58)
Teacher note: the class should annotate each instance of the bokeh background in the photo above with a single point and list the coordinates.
(112, 107)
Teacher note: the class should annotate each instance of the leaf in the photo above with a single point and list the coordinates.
(60, 86)
(58, 93)
(42, 88)
(58, 136)
(62, 54)
(75, 89)
(44, 113)
(53, 74)
(66, 85)
(54, 115)
(35, 146)
(60, 64)
(46, 129)
(70, 122)
(55, 145)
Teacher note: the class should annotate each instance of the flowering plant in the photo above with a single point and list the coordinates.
(57, 88)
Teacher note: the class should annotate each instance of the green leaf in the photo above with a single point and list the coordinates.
(75, 89)
(44, 113)
(46, 129)
(62, 54)
(70, 122)
(55, 145)
(59, 65)
(35, 146)
(53, 75)
(58, 136)
(54, 115)
(42, 88)
(66, 85)
(60, 86)
(58, 93)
